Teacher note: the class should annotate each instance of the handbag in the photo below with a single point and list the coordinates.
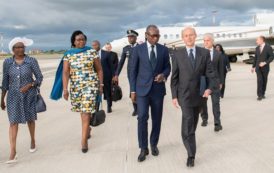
(40, 103)
(116, 92)
(99, 116)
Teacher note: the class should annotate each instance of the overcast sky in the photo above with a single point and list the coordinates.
(50, 22)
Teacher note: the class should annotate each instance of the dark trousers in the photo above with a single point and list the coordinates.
(156, 108)
(133, 104)
(262, 75)
(223, 88)
(107, 92)
(189, 125)
(215, 98)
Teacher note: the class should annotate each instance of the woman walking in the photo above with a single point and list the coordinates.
(21, 90)
(82, 67)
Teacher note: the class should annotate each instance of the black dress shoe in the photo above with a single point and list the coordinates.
(218, 128)
(109, 110)
(134, 113)
(263, 97)
(190, 162)
(143, 154)
(259, 98)
(204, 123)
(155, 151)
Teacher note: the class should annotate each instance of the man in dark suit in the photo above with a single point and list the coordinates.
(263, 57)
(114, 56)
(127, 54)
(189, 65)
(218, 65)
(149, 69)
(108, 72)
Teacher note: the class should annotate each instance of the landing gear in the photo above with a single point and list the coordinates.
(233, 58)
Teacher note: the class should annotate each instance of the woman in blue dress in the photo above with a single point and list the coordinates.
(20, 87)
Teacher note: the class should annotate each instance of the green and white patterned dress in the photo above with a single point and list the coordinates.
(84, 82)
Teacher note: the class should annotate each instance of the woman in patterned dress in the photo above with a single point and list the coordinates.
(21, 92)
(83, 68)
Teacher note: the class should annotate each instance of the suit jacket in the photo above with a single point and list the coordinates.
(126, 54)
(265, 56)
(218, 65)
(115, 61)
(107, 65)
(186, 80)
(142, 74)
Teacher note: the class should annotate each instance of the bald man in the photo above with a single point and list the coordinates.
(189, 65)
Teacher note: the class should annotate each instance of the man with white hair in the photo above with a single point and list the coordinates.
(263, 57)
(189, 66)
(218, 65)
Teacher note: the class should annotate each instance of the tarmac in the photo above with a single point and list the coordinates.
(245, 145)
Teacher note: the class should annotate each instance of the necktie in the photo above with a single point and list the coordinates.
(191, 56)
(153, 59)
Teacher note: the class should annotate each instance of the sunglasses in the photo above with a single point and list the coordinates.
(154, 35)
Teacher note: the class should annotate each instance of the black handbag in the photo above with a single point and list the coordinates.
(40, 103)
(99, 116)
(116, 92)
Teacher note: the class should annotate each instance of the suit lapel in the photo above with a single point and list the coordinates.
(145, 55)
(214, 55)
(198, 58)
(158, 55)
(262, 50)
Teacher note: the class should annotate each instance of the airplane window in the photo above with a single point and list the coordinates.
(240, 35)
(171, 36)
(177, 36)
(229, 35)
(218, 35)
(165, 36)
(235, 35)
(224, 35)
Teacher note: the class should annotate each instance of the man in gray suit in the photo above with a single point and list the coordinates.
(263, 57)
(218, 65)
(189, 65)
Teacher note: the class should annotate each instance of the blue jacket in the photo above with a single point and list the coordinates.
(142, 74)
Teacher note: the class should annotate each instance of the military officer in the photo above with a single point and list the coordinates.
(126, 54)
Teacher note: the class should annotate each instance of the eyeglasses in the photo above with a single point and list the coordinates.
(154, 35)
(19, 47)
(80, 39)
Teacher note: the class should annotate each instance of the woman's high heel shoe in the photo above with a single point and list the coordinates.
(14, 160)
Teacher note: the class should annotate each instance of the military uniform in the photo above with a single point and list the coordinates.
(127, 54)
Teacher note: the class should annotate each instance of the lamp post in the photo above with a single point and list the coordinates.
(1, 43)
(214, 12)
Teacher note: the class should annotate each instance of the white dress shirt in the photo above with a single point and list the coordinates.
(149, 49)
